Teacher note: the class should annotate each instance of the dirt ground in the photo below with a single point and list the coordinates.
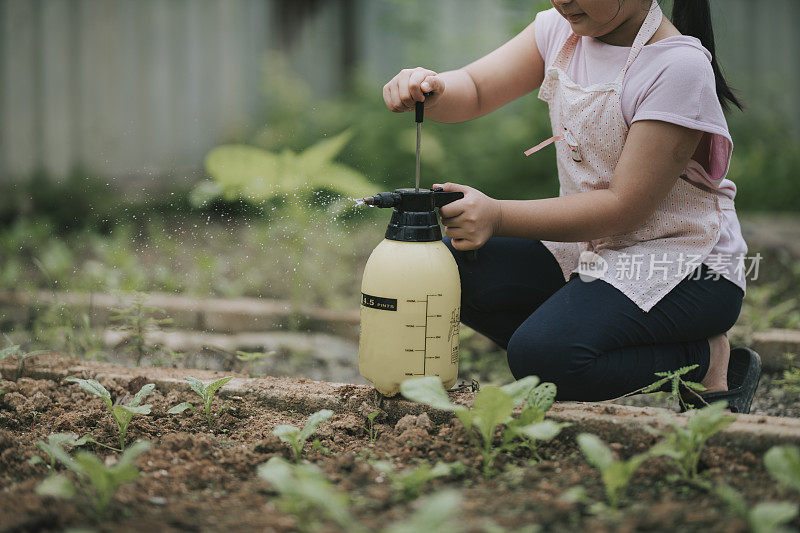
(202, 478)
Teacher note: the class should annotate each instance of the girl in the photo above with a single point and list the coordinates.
(637, 266)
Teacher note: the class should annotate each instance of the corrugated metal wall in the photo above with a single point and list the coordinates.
(122, 88)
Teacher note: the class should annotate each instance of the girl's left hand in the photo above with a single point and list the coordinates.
(471, 221)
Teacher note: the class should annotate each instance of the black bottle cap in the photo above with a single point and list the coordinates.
(414, 217)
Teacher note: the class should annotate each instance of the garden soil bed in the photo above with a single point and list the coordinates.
(202, 478)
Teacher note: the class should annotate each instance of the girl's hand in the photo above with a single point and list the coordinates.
(407, 88)
(471, 221)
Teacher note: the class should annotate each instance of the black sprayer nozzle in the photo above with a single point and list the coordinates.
(383, 199)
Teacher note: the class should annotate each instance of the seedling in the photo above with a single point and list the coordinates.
(615, 473)
(250, 358)
(137, 319)
(764, 517)
(675, 379)
(492, 407)
(408, 483)
(14, 352)
(369, 429)
(296, 437)
(122, 414)
(685, 444)
(307, 494)
(95, 481)
(435, 514)
(56, 442)
(783, 464)
(206, 393)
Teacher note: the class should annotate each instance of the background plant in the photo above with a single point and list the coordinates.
(296, 437)
(94, 480)
(136, 320)
(121, 413)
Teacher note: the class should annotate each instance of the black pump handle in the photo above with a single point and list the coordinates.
(440, 197)
(419, 109)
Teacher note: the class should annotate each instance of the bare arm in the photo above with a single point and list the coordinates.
(514, 69)
(654, 155)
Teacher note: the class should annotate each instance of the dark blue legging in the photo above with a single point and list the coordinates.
(588, 338)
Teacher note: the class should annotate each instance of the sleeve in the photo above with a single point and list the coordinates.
(684, 93)
(547, 29)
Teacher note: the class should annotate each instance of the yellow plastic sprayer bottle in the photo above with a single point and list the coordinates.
(411, 295)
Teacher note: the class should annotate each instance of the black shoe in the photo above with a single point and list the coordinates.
(744, 373)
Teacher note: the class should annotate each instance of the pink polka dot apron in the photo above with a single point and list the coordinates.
(648, 262)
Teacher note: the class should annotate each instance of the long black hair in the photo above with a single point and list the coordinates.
(693, 17)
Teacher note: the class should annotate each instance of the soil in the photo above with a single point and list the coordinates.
(198, 477)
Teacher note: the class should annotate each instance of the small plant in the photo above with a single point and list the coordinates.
(14, 352)
(783, 464)
(57, 442)
(675, 379)
(310, 497)
(296, 437)
(615, 473)
(408, 483)
(137, 319)
(764, 517)
(791, 376)
(206, 393)
(122, 414)
(492, 407)
(369, 429)
(96, 482)
(250, 358)
(307, 494)
(685, 444)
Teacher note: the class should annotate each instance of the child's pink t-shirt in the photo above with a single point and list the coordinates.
(671, 81)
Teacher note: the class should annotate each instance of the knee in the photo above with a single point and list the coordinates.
(549, 355)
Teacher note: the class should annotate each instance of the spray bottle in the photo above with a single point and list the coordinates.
(410, 292)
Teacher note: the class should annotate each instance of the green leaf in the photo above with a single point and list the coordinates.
(92, 387)
(543, 396)
(9, 352)
(197, 386)
(544, 430)
(783, 464)
(437, 512)
(492, 406)
(767, 517)
(732, 499)
(57, 486)
(181, 407)
(143, 392)
(595, 450)
(134, 451)
(314, 420)
(521, 389)
(212, 388)
(245, 171)
(286, 433)
(429, 391)
(318, 156)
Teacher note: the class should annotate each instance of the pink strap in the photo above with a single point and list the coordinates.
(542, 144)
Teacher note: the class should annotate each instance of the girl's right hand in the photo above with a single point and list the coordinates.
(407, 88)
